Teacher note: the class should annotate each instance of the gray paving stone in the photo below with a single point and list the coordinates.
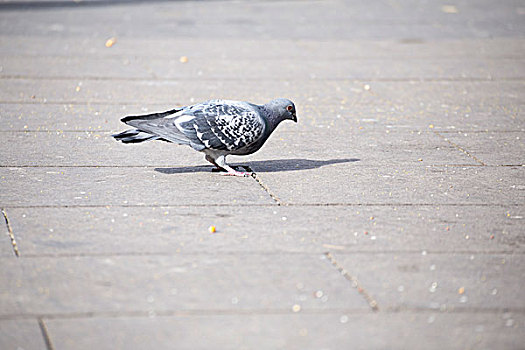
(439, 281)
(173, 92)
(437, 97)
(299, 331)
(157, 230)
(103, 68)
(360, 69)
(445, 105)
(99, 148)
(382, 111)
(5, 247)
(73, 67)
(232, 48)
(94, 148)
(492, 148)
(350, 183)
(356, 146)
(69, 117)
(21, 334)
(151, 284)
(125, 186)
(454, 104)
(344, 21)
(495, 119)
(361, 114)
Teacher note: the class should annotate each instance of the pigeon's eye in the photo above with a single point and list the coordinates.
(289, 108)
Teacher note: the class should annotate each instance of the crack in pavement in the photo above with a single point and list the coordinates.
(11, 234)
(355, 283)
(45, 335)
(460, 148)
(263, 186)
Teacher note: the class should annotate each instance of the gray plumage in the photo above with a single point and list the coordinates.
(217, 127)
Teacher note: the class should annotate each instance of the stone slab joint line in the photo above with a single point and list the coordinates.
(460, 148)
(11, 234)
(45, 335)
(230, 205)
(355, 283)
(153, 77)
(263, 186)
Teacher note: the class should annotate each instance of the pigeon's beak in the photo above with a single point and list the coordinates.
(294, 117)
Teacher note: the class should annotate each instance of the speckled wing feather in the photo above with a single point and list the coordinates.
(222, 125)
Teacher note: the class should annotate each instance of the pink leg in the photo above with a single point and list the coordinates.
(212, 161)
(221, 162)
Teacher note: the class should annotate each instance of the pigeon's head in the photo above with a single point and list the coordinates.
(283, 108)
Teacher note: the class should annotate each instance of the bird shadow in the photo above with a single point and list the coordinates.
(263, 166)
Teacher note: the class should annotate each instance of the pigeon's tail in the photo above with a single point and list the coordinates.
(137, 118)
(134, 136)
(152, 127)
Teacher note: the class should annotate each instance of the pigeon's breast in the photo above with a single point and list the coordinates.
(252, 147)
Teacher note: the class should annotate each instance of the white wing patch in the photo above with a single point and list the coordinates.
(201, 137)
(185, 118)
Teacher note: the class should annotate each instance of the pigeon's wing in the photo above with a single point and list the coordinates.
(162, 126)
(222, 125)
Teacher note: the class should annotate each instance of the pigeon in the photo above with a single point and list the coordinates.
(217, 128)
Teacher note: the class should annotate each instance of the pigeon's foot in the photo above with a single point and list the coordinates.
(237, 173)
(220, 162)
(218, 169)
(233, 172)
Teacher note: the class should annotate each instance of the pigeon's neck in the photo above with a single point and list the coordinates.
(274, 119)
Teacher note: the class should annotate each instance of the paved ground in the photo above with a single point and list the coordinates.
(390, 217)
